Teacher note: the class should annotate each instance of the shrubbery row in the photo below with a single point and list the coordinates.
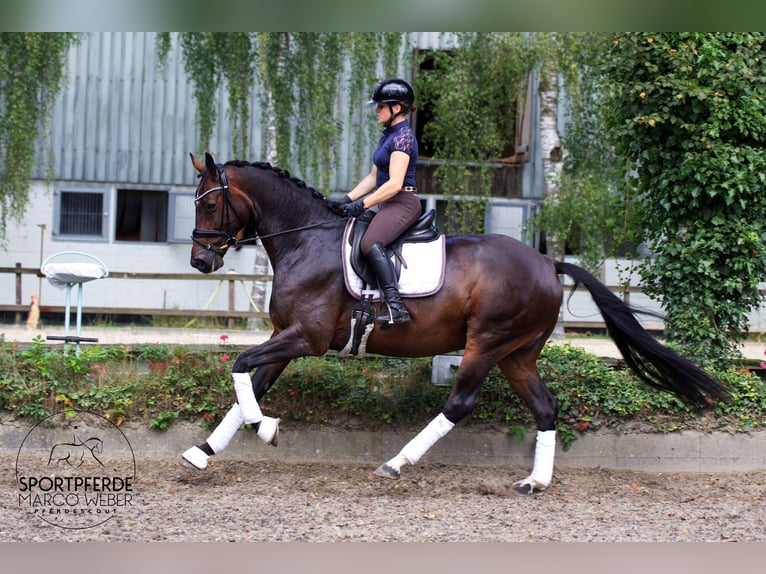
(161, 384)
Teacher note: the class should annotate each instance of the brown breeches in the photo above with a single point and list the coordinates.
(394, 217)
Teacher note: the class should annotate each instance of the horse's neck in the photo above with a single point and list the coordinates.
(282, 206)
(288, 218)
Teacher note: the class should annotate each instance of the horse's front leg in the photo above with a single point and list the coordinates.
(277, 351)
(267, 428)
(269, 360)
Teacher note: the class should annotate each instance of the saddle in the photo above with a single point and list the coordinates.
(422, 231)
(422, 245)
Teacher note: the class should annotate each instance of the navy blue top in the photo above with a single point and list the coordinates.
(398, 137)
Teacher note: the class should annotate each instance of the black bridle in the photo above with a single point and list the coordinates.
(231, 240)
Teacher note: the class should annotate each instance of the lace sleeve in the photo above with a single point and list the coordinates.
(404, 141)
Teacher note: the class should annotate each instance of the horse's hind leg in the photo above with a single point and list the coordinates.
(468, 380)
(197, 456)
(521, 372)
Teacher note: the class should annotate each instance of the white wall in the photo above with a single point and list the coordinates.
(23, 246)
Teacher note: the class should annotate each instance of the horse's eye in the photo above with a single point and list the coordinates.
(210, 207)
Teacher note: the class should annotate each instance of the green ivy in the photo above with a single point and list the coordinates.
(159, 385)
(31, 76)
(687, 111)
(297, 77)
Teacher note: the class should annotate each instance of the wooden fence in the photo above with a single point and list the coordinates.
(20, 308)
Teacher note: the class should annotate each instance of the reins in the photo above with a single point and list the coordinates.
(256, 237)
(231, 240)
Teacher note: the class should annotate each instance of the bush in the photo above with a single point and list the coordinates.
(160, 385)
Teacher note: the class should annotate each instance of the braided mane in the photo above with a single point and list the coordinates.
(283, 173)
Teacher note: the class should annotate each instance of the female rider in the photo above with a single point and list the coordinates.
(391, 186)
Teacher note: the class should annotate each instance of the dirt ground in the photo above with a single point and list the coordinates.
(267, 501)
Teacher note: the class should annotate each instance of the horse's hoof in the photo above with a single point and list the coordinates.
(527, 487)
(387, 472)
(194, 458)
(268, 430)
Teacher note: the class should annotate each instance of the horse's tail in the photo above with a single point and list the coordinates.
(655, 364)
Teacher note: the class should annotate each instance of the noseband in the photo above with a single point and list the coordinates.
(230, 240)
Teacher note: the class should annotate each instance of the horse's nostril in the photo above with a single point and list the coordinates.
(199, 264)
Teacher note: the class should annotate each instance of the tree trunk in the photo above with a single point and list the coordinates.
(261, 263)
(553, 154)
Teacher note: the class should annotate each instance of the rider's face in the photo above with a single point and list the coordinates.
(384, 111)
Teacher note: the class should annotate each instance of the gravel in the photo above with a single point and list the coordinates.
(267, 500)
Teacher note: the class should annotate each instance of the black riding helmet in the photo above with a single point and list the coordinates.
(394, 91)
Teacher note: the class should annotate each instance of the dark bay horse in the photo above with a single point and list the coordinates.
(499, 303)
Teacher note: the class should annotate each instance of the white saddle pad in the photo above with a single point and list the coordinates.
(422, 269)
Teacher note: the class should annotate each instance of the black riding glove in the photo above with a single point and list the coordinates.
(336, 206)
(354, 209)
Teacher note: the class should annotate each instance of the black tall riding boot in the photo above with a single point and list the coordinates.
(384, 271)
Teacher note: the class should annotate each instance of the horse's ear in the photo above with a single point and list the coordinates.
(210, 163)
(198, 165)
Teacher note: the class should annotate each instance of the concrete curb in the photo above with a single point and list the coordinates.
(674, 452)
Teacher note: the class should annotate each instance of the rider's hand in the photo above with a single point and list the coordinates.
(336, 206)
(354, 209)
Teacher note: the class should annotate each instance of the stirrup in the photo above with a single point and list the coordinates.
(397, 314)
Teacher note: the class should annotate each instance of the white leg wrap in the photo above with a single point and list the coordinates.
(226, 429)
(545, 449)
(418, 446)
(248, 406)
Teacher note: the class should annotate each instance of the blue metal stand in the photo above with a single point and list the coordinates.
(68, 275)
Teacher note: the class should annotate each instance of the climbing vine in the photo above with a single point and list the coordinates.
(687, 111)
(472, 92)
(31, 75)
(297, 78)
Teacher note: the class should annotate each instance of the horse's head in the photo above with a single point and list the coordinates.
(222, 213)
(96, 445)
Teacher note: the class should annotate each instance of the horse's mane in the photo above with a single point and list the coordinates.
(283, 173)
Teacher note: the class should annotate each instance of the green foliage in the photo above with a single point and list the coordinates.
(160, 385)
(472, 92)
(144, 383)
(594, 215)
(298, 78)
(31, 75)
(748, 406)
(687, 111)
(369, 393)
(162, 420)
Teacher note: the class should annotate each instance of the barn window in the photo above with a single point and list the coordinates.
(142, 215)
(507, 179)
(182, 214)
(80, 214)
